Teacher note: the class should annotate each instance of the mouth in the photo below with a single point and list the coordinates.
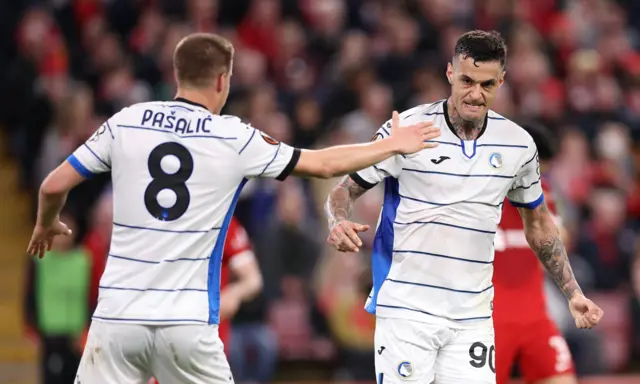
(473, 107)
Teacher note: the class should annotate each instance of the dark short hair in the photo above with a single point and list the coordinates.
(482, 46)
(200, 57)
(543, 138)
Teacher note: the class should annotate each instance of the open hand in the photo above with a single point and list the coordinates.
(344, 236)
(585, 312)
(42, 237)
(413, 138)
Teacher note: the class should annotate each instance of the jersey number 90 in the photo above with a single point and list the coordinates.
(175, 182)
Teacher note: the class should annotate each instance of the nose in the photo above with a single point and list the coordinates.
(476, 93)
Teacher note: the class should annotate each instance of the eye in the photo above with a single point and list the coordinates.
(466, 81)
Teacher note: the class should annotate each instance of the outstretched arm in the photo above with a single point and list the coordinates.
(544, 239)
(339, 206)
(344, 159)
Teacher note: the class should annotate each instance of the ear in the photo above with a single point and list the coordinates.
(501, 81)
(220, 81)
(450, 73)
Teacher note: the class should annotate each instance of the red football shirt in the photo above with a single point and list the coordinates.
(518, 276)
(237, 243)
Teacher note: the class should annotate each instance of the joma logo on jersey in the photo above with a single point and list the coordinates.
(155, 119)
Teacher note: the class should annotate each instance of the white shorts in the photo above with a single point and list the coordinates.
(119, 353)
(410, 351)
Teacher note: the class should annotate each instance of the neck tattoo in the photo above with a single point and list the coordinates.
(466, 130)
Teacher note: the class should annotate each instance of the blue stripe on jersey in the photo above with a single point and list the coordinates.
(96, 155)
(158, 262)
(478, 145)
(142, 320)
(272, 160)
(165, 230)
(532, 205)
(431, 314)
(109, 128)
(445, 204)
(184, 137)
(440, 287)
(440, 255)
(181, 106)
(503, 145)
(248, 141)
(447, 225)
(456, 174)
(213, 278)
(528, 186)
(382, 254)
(152, 289)
(79, 167)
(496, 118)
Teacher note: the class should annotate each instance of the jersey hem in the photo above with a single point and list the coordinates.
(158, 322)
(531, 205)
(360, 181)
(79, 167)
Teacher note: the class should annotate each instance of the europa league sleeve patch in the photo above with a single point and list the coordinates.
(377, 136)
(269, 139)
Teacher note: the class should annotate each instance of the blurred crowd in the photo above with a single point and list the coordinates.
(323, 72)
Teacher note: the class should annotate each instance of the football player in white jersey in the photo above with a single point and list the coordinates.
(433, 249)
(177, 169)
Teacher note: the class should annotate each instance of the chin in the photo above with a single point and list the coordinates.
(474, 117)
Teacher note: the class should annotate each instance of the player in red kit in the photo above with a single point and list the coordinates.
(240, 278)
(524, 332)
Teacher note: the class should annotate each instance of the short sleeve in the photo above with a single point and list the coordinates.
(94, 156)
(526, 190)
(263, 156)
(367, 178)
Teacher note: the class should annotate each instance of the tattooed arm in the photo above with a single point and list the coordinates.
(338, 208)
(544, 239)
(339, 204)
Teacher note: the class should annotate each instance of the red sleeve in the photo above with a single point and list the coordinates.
(237, 240)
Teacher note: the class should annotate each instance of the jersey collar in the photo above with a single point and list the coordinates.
(183, 100)
(446, 118)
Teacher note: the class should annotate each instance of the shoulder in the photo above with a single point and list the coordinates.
(424, 112)
(503, 131)
(417, 114)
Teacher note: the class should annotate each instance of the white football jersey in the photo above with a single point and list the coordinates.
(433, 250)
(177, 171)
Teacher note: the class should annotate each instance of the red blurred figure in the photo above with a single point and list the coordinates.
(525, 333)
(238, 262)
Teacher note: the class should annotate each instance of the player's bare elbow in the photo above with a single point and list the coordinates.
(60, 181)
(52, 186)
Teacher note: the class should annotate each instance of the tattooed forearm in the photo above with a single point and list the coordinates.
(544, 238)
(339, 204)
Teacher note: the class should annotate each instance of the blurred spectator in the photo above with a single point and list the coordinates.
(606, 241)
(57, 309)
(324, 72)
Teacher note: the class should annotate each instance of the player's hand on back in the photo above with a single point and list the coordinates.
(585, 312)
(413, 138)
(344, 236)
(42, 237)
